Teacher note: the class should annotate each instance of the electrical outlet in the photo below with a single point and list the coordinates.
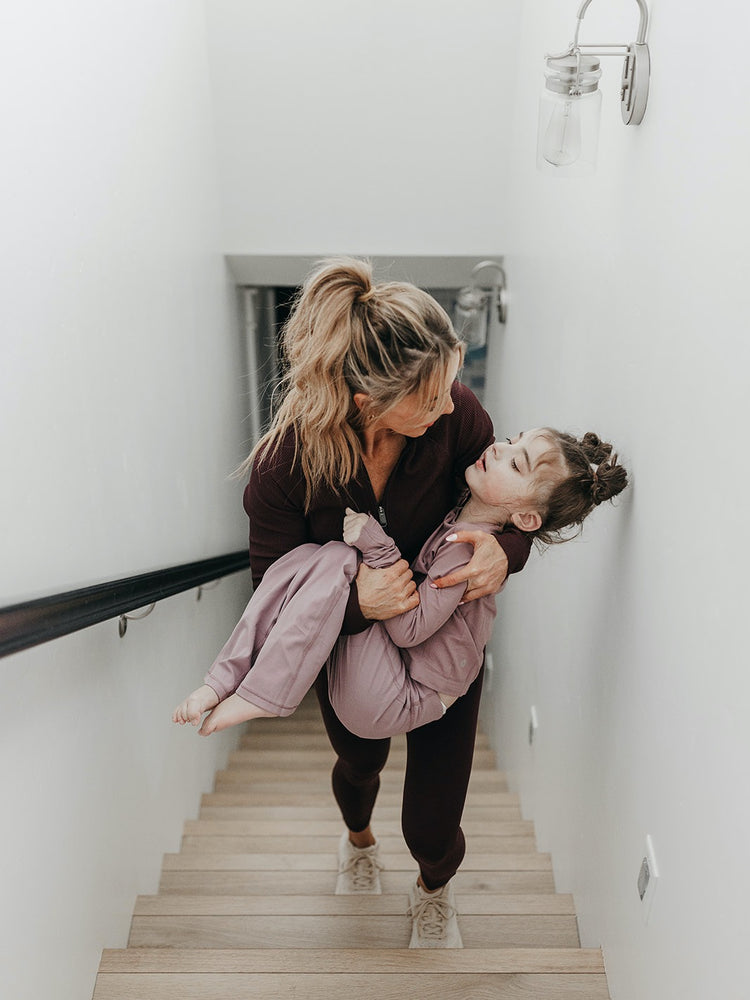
(489, 671)
(533, 725)
(648, 877)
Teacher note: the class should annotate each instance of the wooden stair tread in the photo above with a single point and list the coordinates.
(342, 960)
(258, 868)
(200, 861)
(250, 882)
(300, 794)
(302, 843)
(385, 818)
(332, 828)
(493, 806)
(313, 758)
(317, 779)
(294, 725)
(344, 986)
(355, 930)
(387, 903)
(313, 739)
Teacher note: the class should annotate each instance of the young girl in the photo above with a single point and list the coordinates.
(407, 671)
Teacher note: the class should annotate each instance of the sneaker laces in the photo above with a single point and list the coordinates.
(431, 915)
(363, 866)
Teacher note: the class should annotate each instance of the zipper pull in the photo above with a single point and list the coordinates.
(382, 518)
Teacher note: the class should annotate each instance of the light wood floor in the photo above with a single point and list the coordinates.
(247, 910)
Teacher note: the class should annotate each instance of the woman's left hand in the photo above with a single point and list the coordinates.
(485, 572)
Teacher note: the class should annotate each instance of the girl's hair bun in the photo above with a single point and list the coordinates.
(610, 479)
(593, 476)
(595, 450)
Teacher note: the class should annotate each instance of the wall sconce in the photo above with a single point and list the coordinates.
(571, 101)
(481, 306)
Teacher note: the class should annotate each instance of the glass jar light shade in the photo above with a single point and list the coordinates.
(569, 107)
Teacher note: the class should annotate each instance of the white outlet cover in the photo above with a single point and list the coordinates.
(648, 879)
(533, 724)
(489, 671)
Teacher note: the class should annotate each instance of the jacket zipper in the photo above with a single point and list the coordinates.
(381, 506)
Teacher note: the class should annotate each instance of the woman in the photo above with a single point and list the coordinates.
(373, 419)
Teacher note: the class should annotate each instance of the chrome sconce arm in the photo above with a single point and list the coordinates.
(481, 306)
(570, 104)
(636, 70)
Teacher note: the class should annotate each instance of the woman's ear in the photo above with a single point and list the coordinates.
(530, 520)
(361, 400)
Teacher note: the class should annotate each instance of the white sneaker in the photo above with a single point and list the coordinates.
(433, 914)
(359, 869)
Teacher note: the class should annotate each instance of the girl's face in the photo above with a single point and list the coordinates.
(508, 474)
(410, 417)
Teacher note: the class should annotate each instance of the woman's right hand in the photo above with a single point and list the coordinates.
(385, 593)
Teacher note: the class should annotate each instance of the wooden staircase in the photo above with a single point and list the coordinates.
(247, 909)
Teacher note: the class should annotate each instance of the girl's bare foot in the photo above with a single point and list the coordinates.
(231, 712)
(192, 708)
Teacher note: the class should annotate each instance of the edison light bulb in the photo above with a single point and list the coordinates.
(562, 139)
(569, 115)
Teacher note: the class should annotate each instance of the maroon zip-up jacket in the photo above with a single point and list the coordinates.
(424, 486)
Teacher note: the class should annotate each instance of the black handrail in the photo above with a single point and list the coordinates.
(34, 622)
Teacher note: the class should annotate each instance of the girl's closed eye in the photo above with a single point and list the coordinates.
(513, 463)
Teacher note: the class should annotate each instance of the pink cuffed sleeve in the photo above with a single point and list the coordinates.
(435, 605)
(378, 549)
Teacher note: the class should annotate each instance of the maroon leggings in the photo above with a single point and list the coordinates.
(438, 767)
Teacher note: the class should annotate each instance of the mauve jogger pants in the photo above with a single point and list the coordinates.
(438, 768)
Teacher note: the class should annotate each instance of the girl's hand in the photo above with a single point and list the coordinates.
(353, 525)
(385, 593)
(485, 572)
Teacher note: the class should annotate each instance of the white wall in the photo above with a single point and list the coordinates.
(362, 127)
(628, 316)
(121, 414)
(377, 129)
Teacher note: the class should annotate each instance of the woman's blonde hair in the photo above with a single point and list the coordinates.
(347, 335)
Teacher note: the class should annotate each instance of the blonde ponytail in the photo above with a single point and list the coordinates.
(347, 335)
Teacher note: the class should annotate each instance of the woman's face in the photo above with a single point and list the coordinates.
(410, 418)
